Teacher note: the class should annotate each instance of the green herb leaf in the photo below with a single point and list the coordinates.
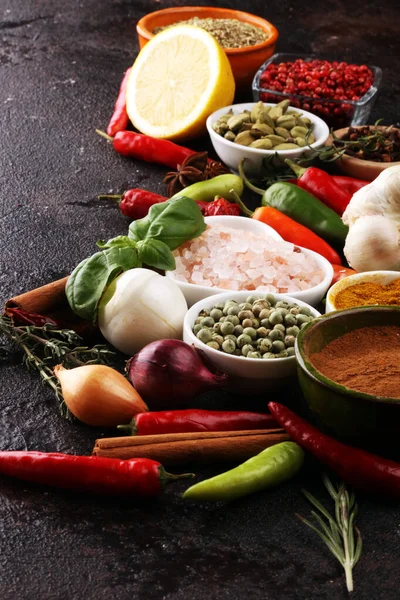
(157, 254)
(121, 241)
(88, 281)
(172, 222)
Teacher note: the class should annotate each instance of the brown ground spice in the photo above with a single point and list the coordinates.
(366, 359)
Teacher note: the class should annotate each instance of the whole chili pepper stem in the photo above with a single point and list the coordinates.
(246, 211)
(252, 187)
(105, 135)
(298, 170)
(168, 477)
(110, 196)
(127, 429)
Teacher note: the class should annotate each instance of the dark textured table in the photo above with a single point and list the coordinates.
(60, 68)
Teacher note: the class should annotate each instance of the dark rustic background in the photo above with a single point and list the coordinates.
(60, 68)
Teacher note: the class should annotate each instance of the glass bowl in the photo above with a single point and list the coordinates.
(336, 113)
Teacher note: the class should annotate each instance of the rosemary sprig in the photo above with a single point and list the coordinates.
(338, 532)
(46, 346)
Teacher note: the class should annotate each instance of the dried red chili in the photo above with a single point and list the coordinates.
(29, 318)
(119, 120)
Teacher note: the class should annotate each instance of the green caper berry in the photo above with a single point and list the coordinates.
(198, 320)
(197, 328)
(217, 338)
(216, 314)
(264, 314)
(275, 318)
(232, 319)
(228, 346)
(300, 319)
(283, 311)
(268, 355)
(271, 299)
(281, 304)
(290, 351)
(289, 320)
(227, 327)
(217, 327)
(230, 336)
(245, 306)
(304, 310)
(262, 332)
(207, 322)
(265, 345)
(251, 332)
(220, 306)
(214, 345)
(204, 313)
(227, 306)
(294, 310)
(204, 335)
(254, 355)
(278, 346)
(292, 330)
(246, 349)
(245, 314)
(280, 327)
(252, 299)
(289, 340)
(255, 323)
(247, 323)
(275, 335)
(265, 323)
(233, 310)
(238, 330)
(243, 340)
(222, 319)
(259, 306)
(282, 354)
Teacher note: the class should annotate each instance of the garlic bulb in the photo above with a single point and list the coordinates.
(139, 307)
(373, 244)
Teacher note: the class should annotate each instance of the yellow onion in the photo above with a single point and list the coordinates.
(99, 395)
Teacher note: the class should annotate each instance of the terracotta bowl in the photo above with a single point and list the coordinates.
(355, 167)
(244, 61)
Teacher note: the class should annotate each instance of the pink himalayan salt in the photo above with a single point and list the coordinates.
(235, 259)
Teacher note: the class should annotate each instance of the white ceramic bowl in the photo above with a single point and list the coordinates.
(380, 277)
(193, 293)
(231, 154)
(258, 369)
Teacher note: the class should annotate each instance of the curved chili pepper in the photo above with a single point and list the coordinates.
(272, 466)
(291, 231)
(192, 420)
(322, 186)
(135, 203)
(151, 150)
(140, 477)
(358, 467)
(225, 186)
(119, 120)
(349, 184)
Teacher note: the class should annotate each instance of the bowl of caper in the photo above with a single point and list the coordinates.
(255, 130)
(248, 335)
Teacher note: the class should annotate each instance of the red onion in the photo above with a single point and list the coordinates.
(169, 374)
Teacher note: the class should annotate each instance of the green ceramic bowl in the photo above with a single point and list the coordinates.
(367, 421)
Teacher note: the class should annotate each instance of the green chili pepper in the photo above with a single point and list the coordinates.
(217, 186)
(268, 469)
(307, 210)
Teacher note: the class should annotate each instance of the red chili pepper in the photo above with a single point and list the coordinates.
(349, 184)
(290, 230)
(186, 421)
(29, 318)
(355, 466)
(219, 206)
(321, 185)
(140, 477)
(119, 120)
(149, 149)
(136, 203)
(340, 272)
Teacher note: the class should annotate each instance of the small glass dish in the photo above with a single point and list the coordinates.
(336, 113)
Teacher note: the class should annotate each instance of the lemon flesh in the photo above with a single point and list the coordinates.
(179, 78)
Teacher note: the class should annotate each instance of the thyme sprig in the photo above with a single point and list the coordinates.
(46, 346)
(339, 532)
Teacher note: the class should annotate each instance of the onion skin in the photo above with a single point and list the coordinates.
(168, 374)
(99, 395)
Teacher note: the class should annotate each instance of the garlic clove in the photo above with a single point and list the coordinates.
(372, 244)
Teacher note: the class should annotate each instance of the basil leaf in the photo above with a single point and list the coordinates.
(88, 281)
(156, 254)
(121, 241)
(172, 222)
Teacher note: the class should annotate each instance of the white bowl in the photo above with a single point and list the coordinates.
(193, 292)
(240, 367)
(231, 154)
(380, 277)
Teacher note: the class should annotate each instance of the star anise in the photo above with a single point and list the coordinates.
(194, 168)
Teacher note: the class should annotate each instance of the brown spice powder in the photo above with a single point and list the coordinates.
(366, 359)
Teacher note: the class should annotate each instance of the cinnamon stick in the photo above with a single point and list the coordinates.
(200, 447)
(43, 300)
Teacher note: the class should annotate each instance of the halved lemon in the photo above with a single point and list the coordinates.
(179, 78)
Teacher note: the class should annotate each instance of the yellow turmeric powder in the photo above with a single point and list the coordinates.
(361, 294)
